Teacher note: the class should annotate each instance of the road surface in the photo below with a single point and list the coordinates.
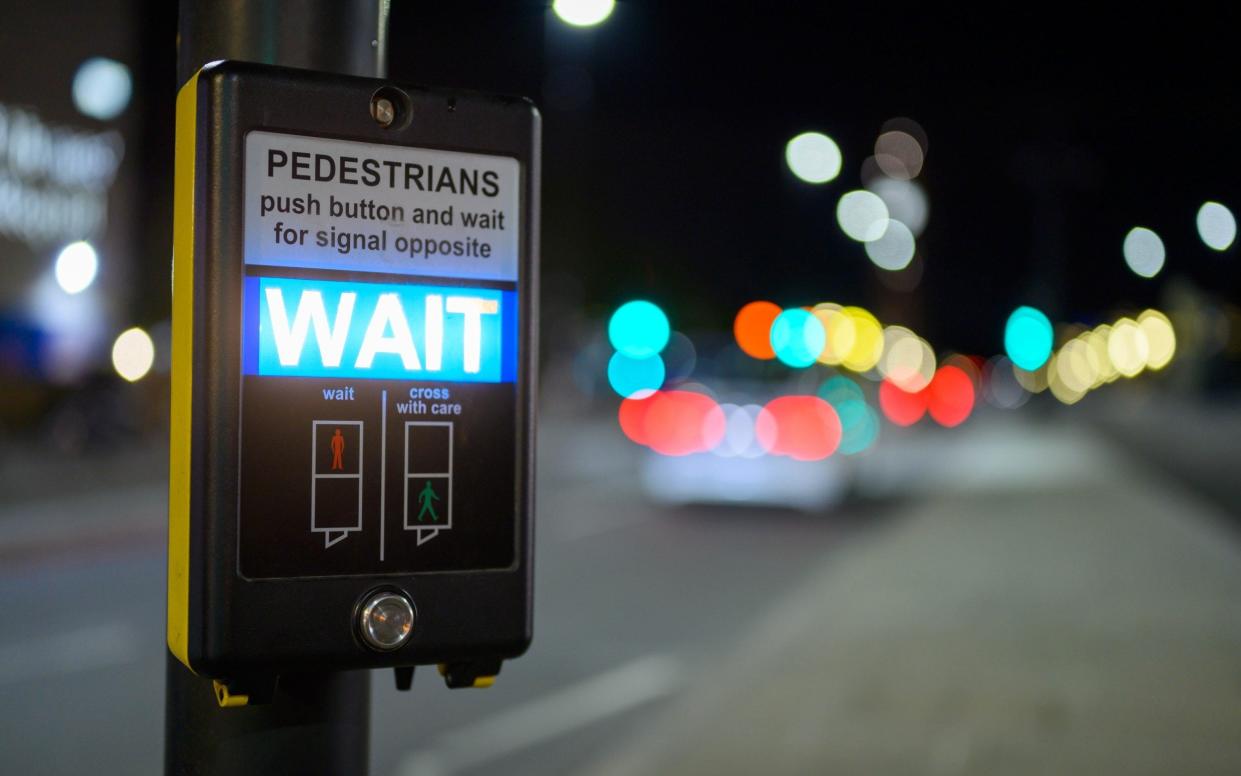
(645, 615)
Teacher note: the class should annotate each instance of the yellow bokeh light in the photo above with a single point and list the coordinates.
(867, 342)
(1097, 340)
(1127, 347)
(841, 333)
(1094, 362)
(1073, 367)
(907, 360)
(1160, 338)
(1064, 393)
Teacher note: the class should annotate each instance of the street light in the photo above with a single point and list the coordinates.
(583, 13)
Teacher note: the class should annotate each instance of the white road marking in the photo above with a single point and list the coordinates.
(543, 719)
(85, 649)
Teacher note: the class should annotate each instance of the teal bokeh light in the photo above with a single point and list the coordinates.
(797, 337)
(859, 425)
(635, 378)
(639, 329)
(839, 389)
(1028, 338)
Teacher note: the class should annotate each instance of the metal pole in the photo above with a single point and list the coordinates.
(314, 723)
(339, 36)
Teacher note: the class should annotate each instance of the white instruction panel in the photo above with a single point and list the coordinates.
(343, 205)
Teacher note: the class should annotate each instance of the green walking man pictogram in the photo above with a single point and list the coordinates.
(424, 499)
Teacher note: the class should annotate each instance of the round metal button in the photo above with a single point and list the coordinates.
(386, 621)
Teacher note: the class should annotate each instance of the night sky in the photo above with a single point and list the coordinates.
(1050, 136)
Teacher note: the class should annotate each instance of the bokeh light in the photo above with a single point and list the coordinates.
(133, 353)
(583, 13)
(840, 332)
(1033, 380)
(859, 426)
(1074, 367)
(639, 329)
(901, 407)
(635, 378)
(739, 440)
(632, 418)
(102, 88)
(894, 249)
(972, 366)
(752, 329)
(840, 389)
(1000, 385)
(909, 127)
(1028, 338)
(906, 202)
(1160, 338)
(950, 396)
(674, 422)
(862, 215)
(1061, 390)
(1097, 340)
(899, 155)
(76, 266)
(680, 358)
(797, 337)
(805, 428)
(1216, 226)
(813, 157)
(683, 422)
(1127, 347)
(907, 359)
(867, 341)
(1144, 252)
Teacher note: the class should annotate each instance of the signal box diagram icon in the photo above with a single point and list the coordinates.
(428, 478)
(335, 479)
(338, 451)
(425, 498)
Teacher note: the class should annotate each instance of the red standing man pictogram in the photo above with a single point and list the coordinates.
(338, 451)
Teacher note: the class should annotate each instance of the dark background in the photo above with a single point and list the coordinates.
(1045, 588)
(1050, 136)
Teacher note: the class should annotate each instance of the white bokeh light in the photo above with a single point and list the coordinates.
(133, 353)
(583, 13)
(76, 267)
(906, 201)
(862, 215)
(813, 157)
(895, 249)
(1144, 252)
(1216, 226)
(899, 155)
(102, 88)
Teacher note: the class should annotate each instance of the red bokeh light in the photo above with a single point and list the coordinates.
(950, 396)
(632, 417)
(900, 407)
(673, 422)
(805, 428)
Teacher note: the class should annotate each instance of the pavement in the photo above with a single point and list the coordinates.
(1090, 624)
(1016, 596)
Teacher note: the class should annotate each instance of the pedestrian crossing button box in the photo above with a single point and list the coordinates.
(353, 382)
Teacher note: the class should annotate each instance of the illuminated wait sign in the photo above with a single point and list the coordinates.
(322, 328)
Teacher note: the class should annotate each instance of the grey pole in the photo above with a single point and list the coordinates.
(314, 723)
(339, 36)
